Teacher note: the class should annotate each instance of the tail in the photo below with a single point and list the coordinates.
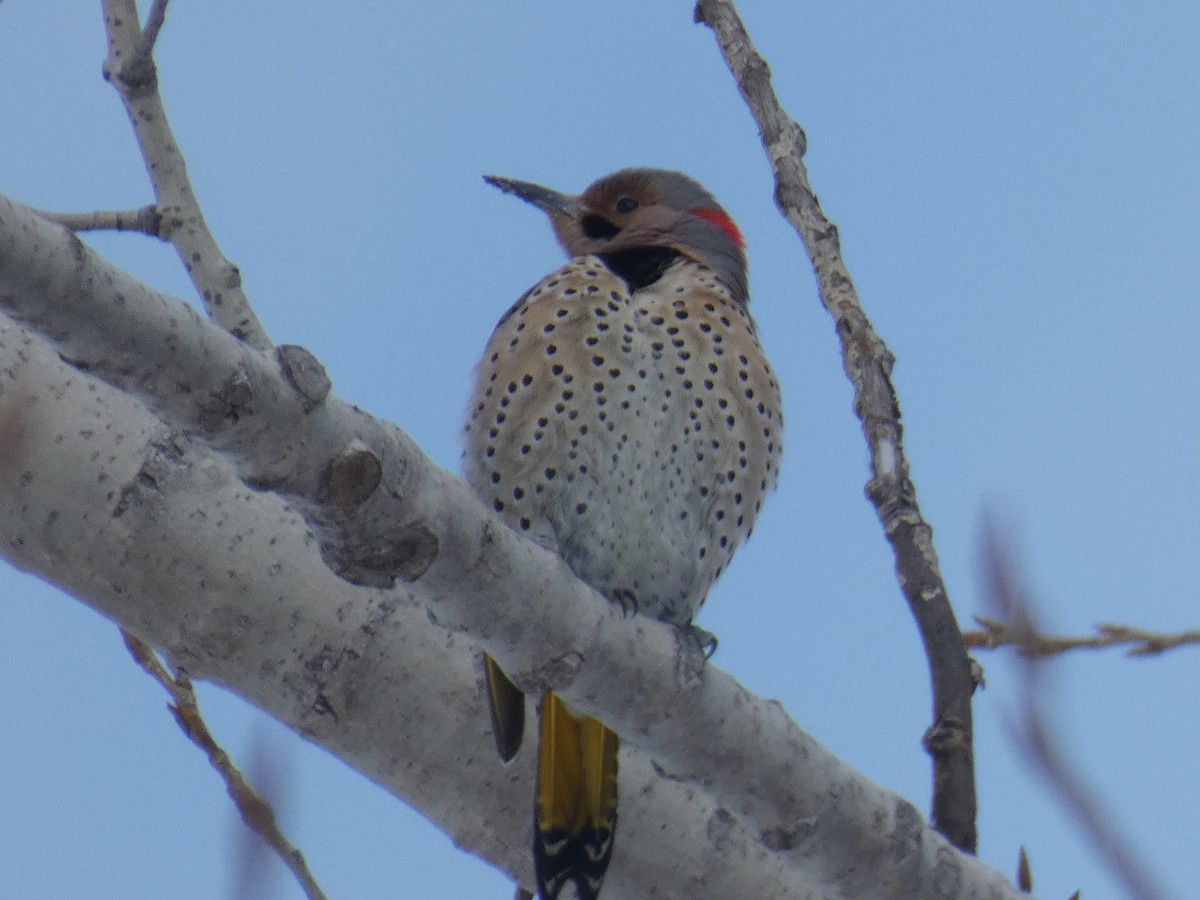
(575, 814)
(506, 703)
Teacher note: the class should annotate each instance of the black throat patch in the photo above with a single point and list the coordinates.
(640, 266)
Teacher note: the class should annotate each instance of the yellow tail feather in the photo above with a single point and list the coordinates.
(575, 813)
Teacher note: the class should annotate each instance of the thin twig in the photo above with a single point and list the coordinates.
(130, 68)
(145, 220)
(868, 364)
(253, 860)
(154, 24)
(1039, 742)
(255, 811)
(1142, 642)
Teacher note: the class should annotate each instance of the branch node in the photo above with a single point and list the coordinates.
(352, 477)
(401, 552)
(305, 373)
(945, 737)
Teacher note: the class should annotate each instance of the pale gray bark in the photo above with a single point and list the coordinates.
(180, 483)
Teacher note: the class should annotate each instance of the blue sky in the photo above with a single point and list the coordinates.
(1017, 192)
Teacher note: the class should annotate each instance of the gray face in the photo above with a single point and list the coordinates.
(644, 208)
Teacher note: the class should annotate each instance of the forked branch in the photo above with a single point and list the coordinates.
(130, 68)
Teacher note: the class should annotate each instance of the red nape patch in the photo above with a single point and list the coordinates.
(722, 221)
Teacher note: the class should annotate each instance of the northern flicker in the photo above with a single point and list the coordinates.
(625, 417)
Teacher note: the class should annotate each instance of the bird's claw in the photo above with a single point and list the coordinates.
(627, 600)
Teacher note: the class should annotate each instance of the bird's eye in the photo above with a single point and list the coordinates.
(626, 205)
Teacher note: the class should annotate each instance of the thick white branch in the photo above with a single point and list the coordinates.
(130, 428)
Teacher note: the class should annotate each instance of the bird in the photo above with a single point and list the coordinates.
(624, 416)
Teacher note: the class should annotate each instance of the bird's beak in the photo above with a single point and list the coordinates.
(543, 198)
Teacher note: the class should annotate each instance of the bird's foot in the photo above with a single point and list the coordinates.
(626, 599)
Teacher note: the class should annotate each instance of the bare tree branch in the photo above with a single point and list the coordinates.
(145, 220)
(256, 812)
(868, 363)
(146, 515)
(1038, 741)
(130, 68)
(1141, 641)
